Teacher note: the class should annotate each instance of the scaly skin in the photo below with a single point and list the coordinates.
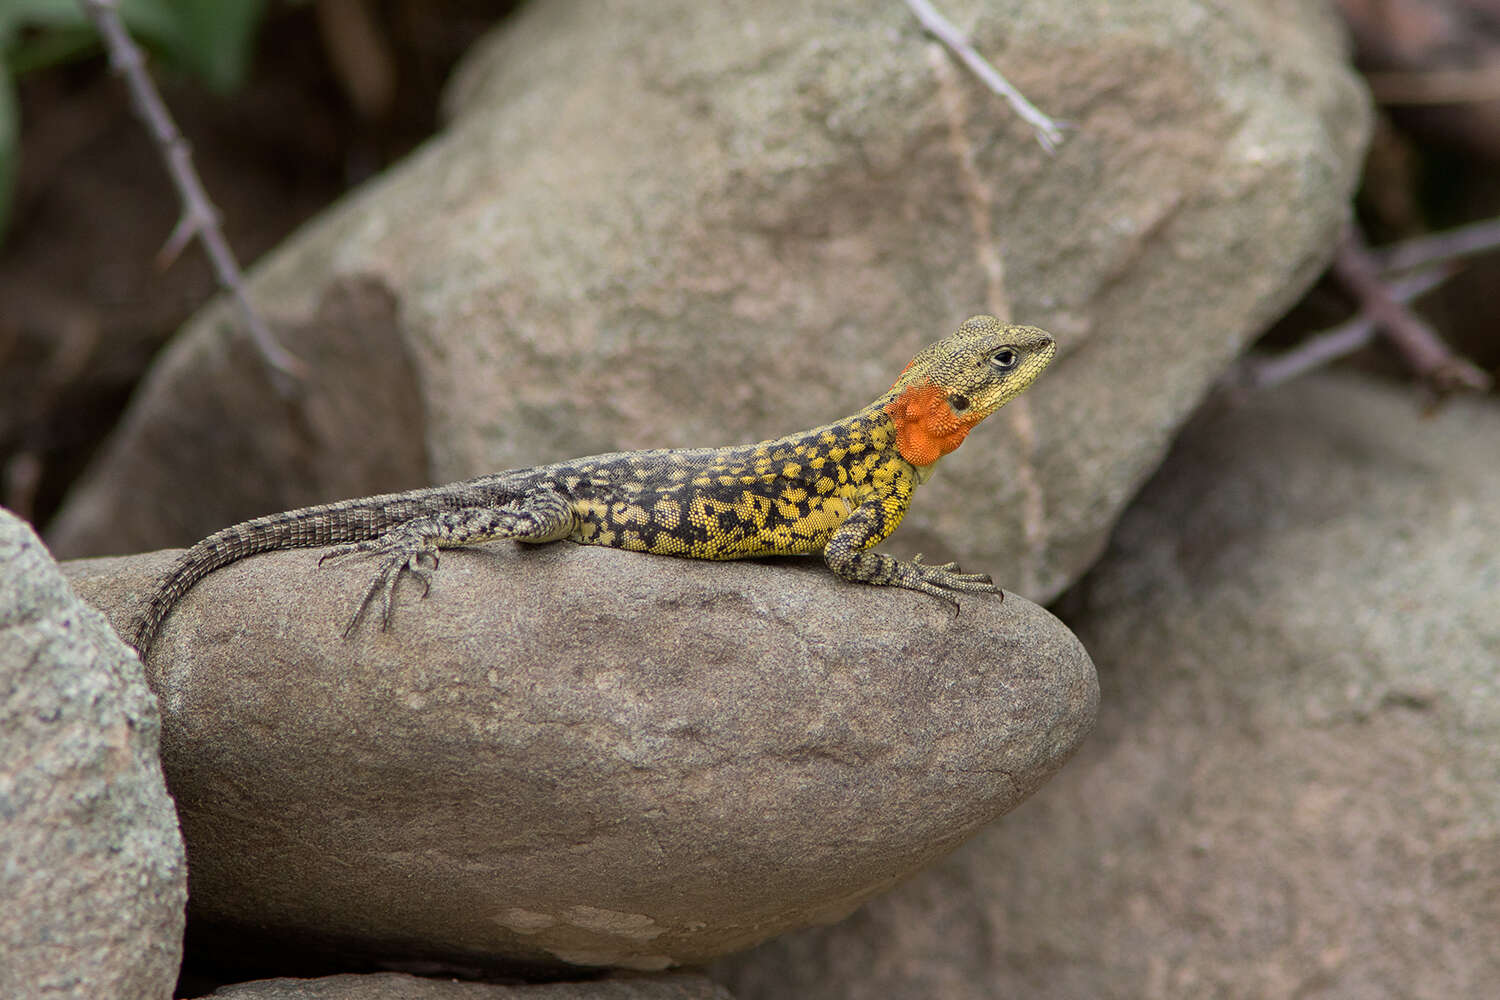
(837, 489)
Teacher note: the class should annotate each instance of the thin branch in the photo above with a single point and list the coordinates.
(1337, 342)
(1435, 86)
(1425, 351)
(199, 217)
(1453, 244)
(1422, 263)
(1048, 131)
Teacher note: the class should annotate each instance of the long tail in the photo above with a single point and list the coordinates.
(306, 527)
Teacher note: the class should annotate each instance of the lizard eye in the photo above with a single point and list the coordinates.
(1004, 359)
(959, 402)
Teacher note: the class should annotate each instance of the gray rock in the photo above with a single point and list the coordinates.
(1295, 785)
(345, 430)
(395, 986)
(577, 754)
(694, 224)
(92, 875)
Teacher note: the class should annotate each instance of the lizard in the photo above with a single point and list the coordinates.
(838, 489)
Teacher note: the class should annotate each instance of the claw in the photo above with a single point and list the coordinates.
(415, 568)
(360, 611)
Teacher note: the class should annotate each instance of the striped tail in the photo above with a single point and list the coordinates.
(307, 527)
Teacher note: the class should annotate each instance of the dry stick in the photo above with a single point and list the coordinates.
(1435, 86)
(199, 218)
(1335, 343)
(1425, 351)
(1452, 244)
(1048, 132)
(1431, 257)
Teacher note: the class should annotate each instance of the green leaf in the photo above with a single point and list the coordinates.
(211, 39)
(148, 18)
(16, 14)
(215, 38)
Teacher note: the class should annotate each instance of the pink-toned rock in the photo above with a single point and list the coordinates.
(1294, 790)
(572, 754)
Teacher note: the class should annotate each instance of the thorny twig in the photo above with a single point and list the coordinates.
(199, 218)
(1427, 261)
(1337, 342)
(1425, 351)
(1048, 131)
(1461, 85)
(1451, 244)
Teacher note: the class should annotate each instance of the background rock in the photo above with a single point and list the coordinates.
(92, 874)
(583, 755)
(353, 428)
(688, 224)
(1295, 785)
(395, 986)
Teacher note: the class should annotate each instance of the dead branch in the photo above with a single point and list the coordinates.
(1340, 341)
(1431, 358)
(1462, 85)
(1048, 131)
(1449, 245)
(199, 217)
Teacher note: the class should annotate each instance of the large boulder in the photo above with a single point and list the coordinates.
(1295, 785)
(573, 754)
(92, 873)
(680, 223)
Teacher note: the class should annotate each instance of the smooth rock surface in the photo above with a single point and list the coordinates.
(688, 224)
(584, 755)
(1294, 790)
(92, 873)
(396, 986)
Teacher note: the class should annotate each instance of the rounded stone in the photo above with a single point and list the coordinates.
(582, 755)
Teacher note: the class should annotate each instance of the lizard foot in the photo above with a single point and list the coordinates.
(404, 553)
(944, 579)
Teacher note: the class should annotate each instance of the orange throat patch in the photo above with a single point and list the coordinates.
(926, 426)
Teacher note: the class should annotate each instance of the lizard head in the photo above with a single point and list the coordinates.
(959, 381)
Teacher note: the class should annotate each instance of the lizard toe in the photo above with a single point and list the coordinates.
(353, 548)
(973, 583)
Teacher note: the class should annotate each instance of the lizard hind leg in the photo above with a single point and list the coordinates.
(413, 546)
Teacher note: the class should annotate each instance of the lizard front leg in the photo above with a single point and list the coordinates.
(848, 554)
(544, 516)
